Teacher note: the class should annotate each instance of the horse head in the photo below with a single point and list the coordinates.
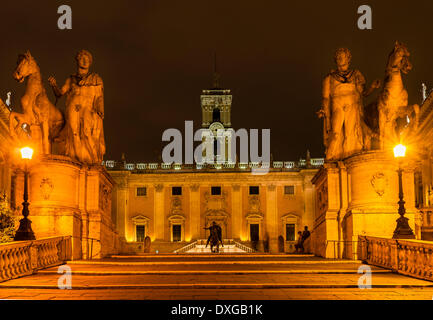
(26, 66)
(399, 59)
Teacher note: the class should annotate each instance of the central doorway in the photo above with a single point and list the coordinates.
(254, 232)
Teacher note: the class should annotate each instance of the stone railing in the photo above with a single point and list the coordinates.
(243, 247)
(22, 258)
(409, 257)
(186, 248)
(273, 166)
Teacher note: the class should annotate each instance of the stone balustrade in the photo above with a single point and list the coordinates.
(408, 257)
(275, 165)
(22, 258)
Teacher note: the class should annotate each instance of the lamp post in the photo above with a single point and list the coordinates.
(403, 230)
(25, 231)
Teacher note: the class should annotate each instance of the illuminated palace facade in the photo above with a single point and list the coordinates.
(173, 203)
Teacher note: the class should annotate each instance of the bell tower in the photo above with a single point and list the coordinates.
(216, 106)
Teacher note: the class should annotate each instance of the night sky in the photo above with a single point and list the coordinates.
(155, 57)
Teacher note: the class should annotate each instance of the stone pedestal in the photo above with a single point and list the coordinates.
(69, 198)
(328, 206)
(359, 196)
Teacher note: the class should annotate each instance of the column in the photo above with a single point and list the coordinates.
(159, 214)
(194, 205)
(271, 219)
(236, 212)
(122, 193)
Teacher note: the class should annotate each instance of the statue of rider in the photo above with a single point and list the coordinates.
(215, 231)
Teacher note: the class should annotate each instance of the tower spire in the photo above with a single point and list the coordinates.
(216, 76)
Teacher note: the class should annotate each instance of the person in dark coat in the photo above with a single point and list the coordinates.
(300, 244)
(305, 234)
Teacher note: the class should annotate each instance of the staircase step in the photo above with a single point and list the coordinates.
(211, 272)
(200, 256)
(177, 263)
(50, 281)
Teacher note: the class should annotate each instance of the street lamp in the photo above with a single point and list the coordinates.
(25, 231)
(403, 230)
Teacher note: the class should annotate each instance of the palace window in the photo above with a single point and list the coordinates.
(176, 191)
(177, 233)
(290, 232)
(141, 191)
(140, 233)
(254, 190)
(216, 191)
(289, 190)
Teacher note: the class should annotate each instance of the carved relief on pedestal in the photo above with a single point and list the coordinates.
(47, 187)
(104, 196)
(379, 182)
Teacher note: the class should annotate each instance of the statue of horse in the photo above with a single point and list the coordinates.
(38, 112)
(392, 104)
(215, 239)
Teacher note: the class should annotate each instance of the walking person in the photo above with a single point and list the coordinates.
(300, 243)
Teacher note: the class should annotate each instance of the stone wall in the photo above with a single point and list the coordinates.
(359, 196)
(69, 198)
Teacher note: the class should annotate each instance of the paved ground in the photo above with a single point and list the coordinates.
(216, 277)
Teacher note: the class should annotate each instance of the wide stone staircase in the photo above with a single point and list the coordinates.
(213, 276)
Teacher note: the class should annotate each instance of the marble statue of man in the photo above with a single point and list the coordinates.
(84, 92)
(342, 107)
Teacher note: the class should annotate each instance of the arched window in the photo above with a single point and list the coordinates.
(216, 116)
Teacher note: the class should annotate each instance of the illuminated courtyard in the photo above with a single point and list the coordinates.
(216, 151)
